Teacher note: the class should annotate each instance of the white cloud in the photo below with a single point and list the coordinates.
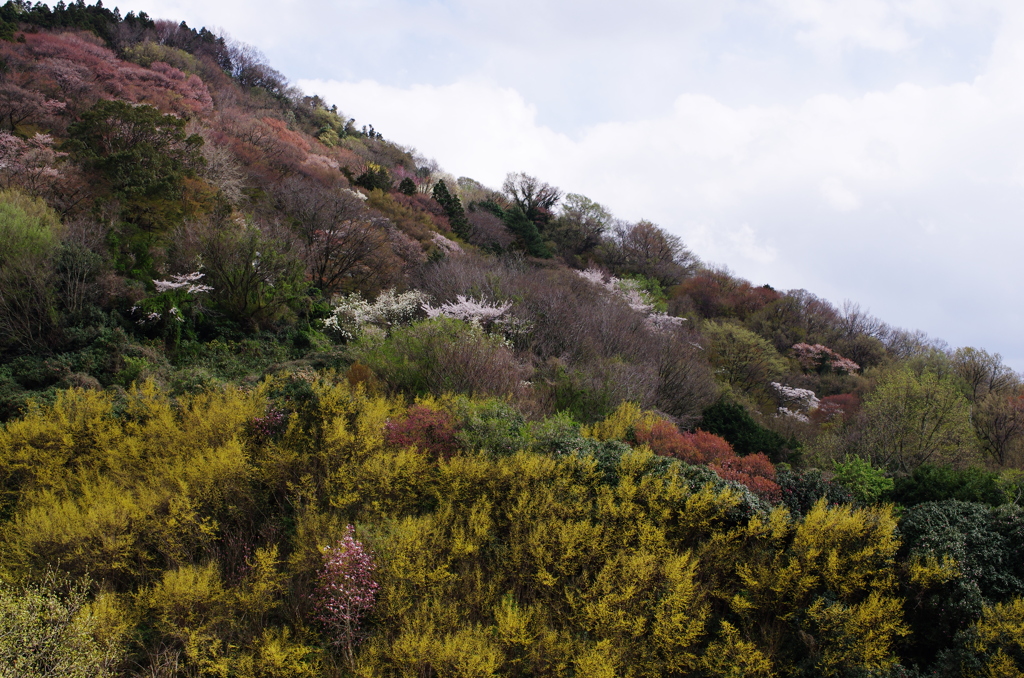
(876, 197)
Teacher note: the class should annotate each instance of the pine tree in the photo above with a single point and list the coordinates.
(453, 208)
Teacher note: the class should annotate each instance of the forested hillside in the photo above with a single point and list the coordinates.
(281, 398)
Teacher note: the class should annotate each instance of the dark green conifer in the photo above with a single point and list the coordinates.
(453, 209)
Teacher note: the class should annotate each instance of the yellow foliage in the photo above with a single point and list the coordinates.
(383, 485)
(857, 636)
(998, 638)
(112, 621)
(619, 424)
(854, 548)
(925, 571)
(261, 590)
(278, 655)
(846, 555)
(731, 656)
(426, 646)
(598, 661)
(521, 565)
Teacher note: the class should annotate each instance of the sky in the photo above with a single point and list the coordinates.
(864, 150)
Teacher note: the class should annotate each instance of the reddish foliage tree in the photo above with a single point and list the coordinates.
(696, 447)
(715, 293)
(432, 431)
(754, 471)
(831, 408)
(711, 447)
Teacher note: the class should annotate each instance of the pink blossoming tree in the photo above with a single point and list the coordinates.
(345, 592)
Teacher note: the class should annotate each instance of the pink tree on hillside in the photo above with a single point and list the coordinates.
(346, 591)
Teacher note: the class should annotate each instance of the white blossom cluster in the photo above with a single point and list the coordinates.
(471, 310)
(188, 282)
(801, 397)
(351, 313)
(631, 292)
(799, 416)
(150, 317)
(445, 245)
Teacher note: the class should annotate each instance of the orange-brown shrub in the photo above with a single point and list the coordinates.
(754, 471)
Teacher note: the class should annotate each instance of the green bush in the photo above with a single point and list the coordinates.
(987, 545)
(803, 488)
(734, 423)
(943, 483)
(866, 482)
(45, 632)
(441, 356)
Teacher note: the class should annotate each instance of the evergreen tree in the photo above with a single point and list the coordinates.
(453, 209)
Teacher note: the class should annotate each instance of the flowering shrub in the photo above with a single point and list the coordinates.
(801, 397)
(481, 312)
(819, 358)
(31, 164)
(346, 590)
(265, 427)
(172, 307)
(632, 292)
(351, 313)
(188, 283)
(432, 431)
(445, 245)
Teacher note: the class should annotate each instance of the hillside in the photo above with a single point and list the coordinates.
(280, 397)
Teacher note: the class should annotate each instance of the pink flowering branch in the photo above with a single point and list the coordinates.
(346, 591)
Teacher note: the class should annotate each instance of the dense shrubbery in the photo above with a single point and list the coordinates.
(537, 560)
(248, 350)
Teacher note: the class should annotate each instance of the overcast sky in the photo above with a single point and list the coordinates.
(870, 150)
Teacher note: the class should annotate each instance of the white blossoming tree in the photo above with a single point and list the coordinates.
(351, 313)
(796, 402)
(634, 295)
(175, 308)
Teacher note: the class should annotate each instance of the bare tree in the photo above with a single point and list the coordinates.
(342, 243)
(534, 197)
(646, 249)
(999, 422)
(982, 373)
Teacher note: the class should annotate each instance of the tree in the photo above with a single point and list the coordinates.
(255, 280)
(526, 232)
(43, 632)
(644, 248)
(142, 154)
(998, 420)
(346, 591)
(407, 186)
(579, 228)
(341, 242)
(29, 231)
(144, 158)
(740, 357)
(982, 373)
(453, 209)
(913, 419)
(532, 196)
(19, 105)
